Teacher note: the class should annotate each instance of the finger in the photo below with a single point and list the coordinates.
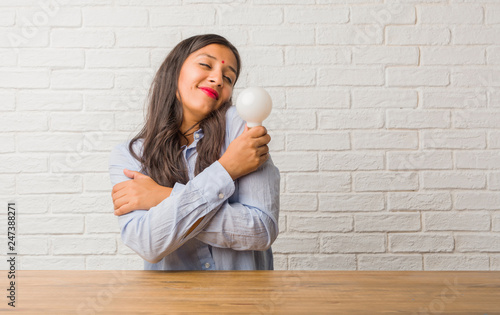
(119, 186)
(124, 209)
(132, 174)
(262, 140)
(246, 127)
(258, 131)
(263, 150)
(118, 202)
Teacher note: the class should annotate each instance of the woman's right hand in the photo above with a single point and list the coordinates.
(247, 152)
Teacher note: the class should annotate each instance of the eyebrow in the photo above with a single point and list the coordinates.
(212, 57)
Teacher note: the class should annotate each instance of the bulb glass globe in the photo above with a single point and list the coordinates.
(254, 105)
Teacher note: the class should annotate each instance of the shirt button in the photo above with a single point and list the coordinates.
(221, 195)
(207, 265)
(196, 136)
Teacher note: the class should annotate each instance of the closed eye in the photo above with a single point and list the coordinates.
(227, 78)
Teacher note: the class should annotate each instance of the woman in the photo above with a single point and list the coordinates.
(196, 189)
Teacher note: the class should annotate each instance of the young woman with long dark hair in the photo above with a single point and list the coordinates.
(196, 189)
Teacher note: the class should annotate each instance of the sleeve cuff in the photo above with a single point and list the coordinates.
(215, 183)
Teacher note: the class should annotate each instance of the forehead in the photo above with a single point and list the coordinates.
(219, 52)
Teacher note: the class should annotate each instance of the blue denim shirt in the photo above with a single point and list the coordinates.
(241, 216)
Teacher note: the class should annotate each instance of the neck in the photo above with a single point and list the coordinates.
(188, 129)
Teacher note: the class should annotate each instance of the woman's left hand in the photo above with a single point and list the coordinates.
(139, 193)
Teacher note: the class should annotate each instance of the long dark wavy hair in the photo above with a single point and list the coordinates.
(161, 157)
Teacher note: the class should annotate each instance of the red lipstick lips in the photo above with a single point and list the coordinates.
(210, 92)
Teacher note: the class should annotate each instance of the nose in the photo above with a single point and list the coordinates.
(216, 77)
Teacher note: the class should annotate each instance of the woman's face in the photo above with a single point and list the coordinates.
(206, 81)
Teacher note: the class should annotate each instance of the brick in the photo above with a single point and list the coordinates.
(296, 161)
(320, 224)
(313, 97)
(456, 262)
(81, 203)
(323, 262)
(291, 36)
(35, 204)
(237, 36)
(392, 222)
(114, 263)
(486, 77)
(138, 80)
(21, 37)
(129, 58)
(79, 162)
(7, 17)
(351, 119)
(348, 161)
(475, 35)
(52, 224)
(7, 184)
(493, 55)
(453, 180)
(310, 15)
(53, 263)
(457, 221)
(81, 121)
(83, 79)
(131, 121)
(32, 245)
(280, 262)
(386, 55)
(383, 14)
(419, 160)
(96, 141)
(317, 141)
(455, 55)
(56, 16)
(289, 245)
(48, 183)
(147, 38)
(381, 181)
(373, 76)
(152, 2)
(476, 200)
(433, 243)
(113, 102)
(8, 101)
(182, 15)
(101, 223)
(282, 76)
(59, 142)
(8, 58)
(390, 262)
(454, 99)
(492, 13)
(68, 245)
(417, 35)
(98, 182)
(423, 201)
(385, 139)
(291, 120)
(494, 181)
(277, 141)
(495, 222)
(49, 101)
(369, 34)
(494, 99)
(243, 15)
(477, 242)
(454, 139)
(318, 182)
(8, 143)
(260, 56)
(417, 77)
(298, 202)
(117, 16)
(29, 79)
(477, 160)
(450, 14)
(495, 262)
(22, 122)
(23, 163)
(417, 119)
(351, 202)
(81, 38)
(476, 119)
(317, 55)
(353, 243)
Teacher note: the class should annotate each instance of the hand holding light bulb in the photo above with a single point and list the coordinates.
(249, 150)
(254, 105)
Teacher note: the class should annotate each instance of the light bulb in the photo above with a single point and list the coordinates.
(254, 104)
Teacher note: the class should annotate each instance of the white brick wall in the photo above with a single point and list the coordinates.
(385, 126)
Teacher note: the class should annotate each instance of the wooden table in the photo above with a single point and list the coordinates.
(255, 292)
